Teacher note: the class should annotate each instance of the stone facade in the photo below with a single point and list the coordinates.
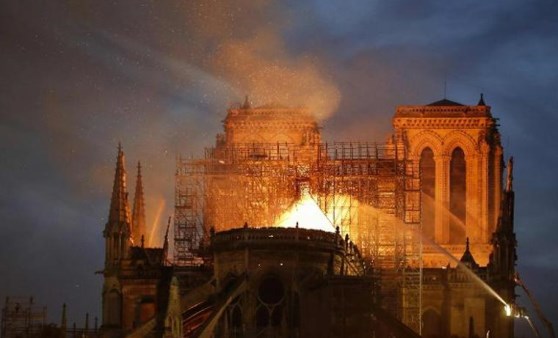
(443, 127)
(270, 124)
(293, 283)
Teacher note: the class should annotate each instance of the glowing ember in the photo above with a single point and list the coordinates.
(308, 215)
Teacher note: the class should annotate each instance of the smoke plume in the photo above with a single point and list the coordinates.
(248, 50)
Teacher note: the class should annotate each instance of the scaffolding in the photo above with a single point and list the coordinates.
(21, 317)
(373, 193)
(188, 210)
(230, 186)
(370, 191)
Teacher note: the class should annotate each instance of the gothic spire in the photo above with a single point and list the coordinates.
(246, 104)
(166, 243)
(119, 214)
(481, 101)
(467, 257)
(509, 179)
(506, 217)
(64, 320)
(138, 215)
(504, 243)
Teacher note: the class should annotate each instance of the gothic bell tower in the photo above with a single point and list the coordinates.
(457, 148)
(117, 236)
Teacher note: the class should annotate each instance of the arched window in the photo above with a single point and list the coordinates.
(236, 318)
(457, 197)
(295, 314)
(271, 293)
(236, 322)
(428, 182)
(262, 317)
(146, 309)
(113, 308)
(431, 324)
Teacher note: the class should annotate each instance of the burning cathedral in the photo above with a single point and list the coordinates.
(279, 234)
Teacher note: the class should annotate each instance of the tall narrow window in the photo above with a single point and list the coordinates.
(432, 324)
(236, 322)
(113, 308)
(428, 181)
(457, 197)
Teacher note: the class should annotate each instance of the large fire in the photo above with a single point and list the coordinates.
(307, 214)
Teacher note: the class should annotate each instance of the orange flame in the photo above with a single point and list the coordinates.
(307, 214)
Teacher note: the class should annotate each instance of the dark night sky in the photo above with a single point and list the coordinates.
(76, 77)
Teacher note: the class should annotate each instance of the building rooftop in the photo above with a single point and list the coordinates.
(445, 102)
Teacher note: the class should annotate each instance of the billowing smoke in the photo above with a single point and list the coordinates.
(261, 67)
(243, 43)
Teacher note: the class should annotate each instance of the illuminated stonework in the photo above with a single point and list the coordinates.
(442, 127)
(270, 124)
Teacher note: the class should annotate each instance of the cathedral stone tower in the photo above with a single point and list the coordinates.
(457, 148)
(117, 236)
(270, 124)
(118, 228)
(140, 291)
